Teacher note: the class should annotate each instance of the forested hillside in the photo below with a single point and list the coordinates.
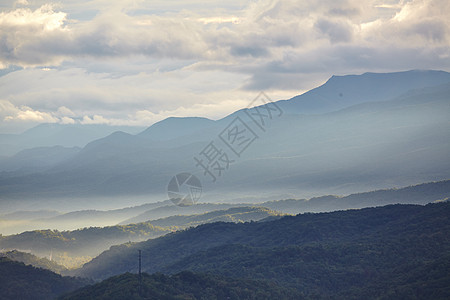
(396, 251)
(83, 244)
(30, 259)
(185, 285)
(18, 281)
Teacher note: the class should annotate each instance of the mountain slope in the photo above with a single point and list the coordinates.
(26, 282)
(88, 218)
(82, 242)
(425, 228)
(367, 269)
(89, 242)
(20, 221)
(35, 159)
(173, 210)
(366, 146)
(173, 128)
(418, 194)
(49, 135)
(185, 285)
(30, 259)
(234, 214)
(344, 91)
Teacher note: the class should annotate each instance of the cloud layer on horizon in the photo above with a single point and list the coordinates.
(137, 62)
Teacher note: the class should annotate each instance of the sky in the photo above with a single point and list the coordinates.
(134, 63)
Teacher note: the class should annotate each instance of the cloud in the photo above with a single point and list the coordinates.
(133, 99)
(423, 23)
(67, 120)
(96, 119)
(219, 20)
(25, 114)
(24, 32)
(64, 111)
(46, 37)
(28, 114)
(22, 2)
(266, 29)
(135, 62)
(337, 31)
(10, 113)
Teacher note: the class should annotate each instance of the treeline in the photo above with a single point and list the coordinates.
(391, 252)
(84, 241)
(18, 281)
(184, 285)
(30, 259)
(83, 244)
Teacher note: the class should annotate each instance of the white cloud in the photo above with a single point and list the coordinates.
(22, 2)
(266, 29)
(9, 113)
(27, 114)
(136, 62)
(64, 111)
(25, 35)
(96, 119)
(67, 120)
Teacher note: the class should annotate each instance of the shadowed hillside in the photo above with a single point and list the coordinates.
(185, 285)
(369, 253)
(19, 281)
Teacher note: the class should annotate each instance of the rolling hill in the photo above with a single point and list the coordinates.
(85, 243)
(185, 285)
(19, 281)
(30, 259)
(395, 251)
(49, 135)
(418, 194)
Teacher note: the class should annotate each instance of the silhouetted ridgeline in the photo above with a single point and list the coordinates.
(417, 194)
(18, 281)
(392, 252)
(30, 259)
(92, 241)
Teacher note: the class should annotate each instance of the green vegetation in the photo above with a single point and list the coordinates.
(234, 214)
(78, 243)
(30, 259)
(184, 285)
(396, 251)
(73, 248)
(199, 214)
(19, 281)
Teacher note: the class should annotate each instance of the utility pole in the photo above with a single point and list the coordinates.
(140, 275)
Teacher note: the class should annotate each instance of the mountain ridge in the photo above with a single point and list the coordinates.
(334, 152)
(362, 253)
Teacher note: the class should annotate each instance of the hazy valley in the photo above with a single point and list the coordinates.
(343, 193)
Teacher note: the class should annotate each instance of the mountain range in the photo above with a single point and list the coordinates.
(395, 251)
(352, 134)
(51, 134)
(83, 244)
(168, 214)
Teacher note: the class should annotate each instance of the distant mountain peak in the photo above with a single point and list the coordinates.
(174, 127)
(341, 91)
